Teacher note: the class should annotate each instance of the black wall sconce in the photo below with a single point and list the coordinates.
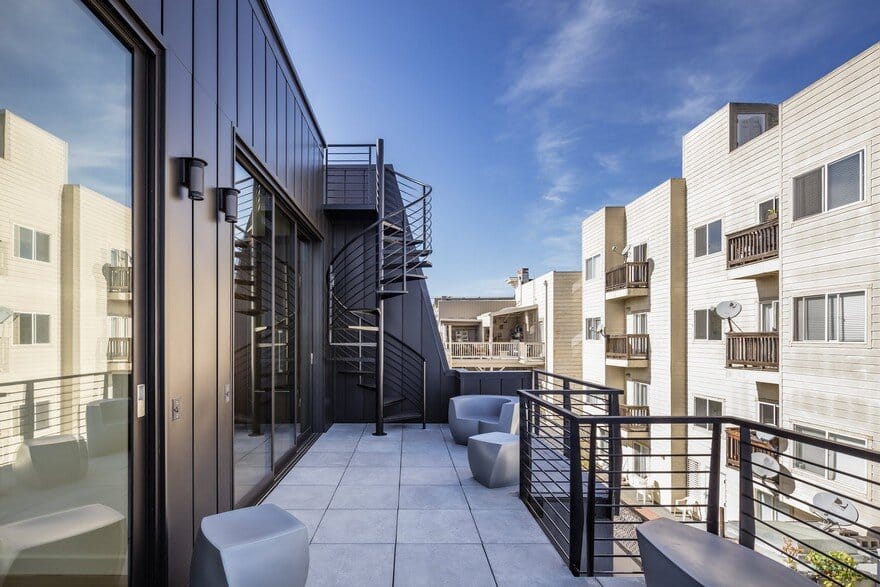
(227, 200)
(192, 178)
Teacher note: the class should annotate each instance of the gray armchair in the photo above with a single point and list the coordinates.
(478, 414)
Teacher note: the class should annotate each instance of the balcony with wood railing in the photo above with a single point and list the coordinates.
(733, 446)
(514, 352)
(635, 411)
(119, 353)
(753, 244)
(753, 350)
(627, 350)
(119, 283)
(627, 280)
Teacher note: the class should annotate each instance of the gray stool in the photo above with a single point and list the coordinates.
(494, 458)
(261, 545)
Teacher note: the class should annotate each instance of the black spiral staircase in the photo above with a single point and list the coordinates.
(379, 263)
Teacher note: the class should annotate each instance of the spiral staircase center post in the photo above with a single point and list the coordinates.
(380, 271)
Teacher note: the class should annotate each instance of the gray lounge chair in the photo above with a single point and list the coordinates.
(479, 414)
(107, 426)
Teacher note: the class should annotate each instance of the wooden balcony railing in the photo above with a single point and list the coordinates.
(753, 350)
(635, 411)
(632, 274)
(119, 279)
(515, 351)
(733, 436)
(119, 350)
(757, 243)
(627, 346)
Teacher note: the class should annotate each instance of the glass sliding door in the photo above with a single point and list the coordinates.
(69, 309)
(271, 351)
(286, 330)
(252, 337)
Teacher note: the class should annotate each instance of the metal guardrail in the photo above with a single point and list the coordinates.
(753, 244)
(753, 350)
(350, 175)
(632, 274)
(589, 486)
(44, 407)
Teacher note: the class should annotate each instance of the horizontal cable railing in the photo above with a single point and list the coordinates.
(756, 243)
(350, 175)
(632, 274)
(37, 408)
(627, 346)
(753, 350)
(805, 501)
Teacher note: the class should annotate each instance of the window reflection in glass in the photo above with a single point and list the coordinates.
(65, 204)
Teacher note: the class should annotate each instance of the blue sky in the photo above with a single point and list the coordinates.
(525, 116)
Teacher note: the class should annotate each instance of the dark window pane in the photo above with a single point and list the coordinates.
(748, 126)
(24, 243)
(23, 331)
(700, 241)
(844, 179)
(808, 194)
(700, 324)
(41, 328)
(41, 247)
(714, 325)
(714, 237)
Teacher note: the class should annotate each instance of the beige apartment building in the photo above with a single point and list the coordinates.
(538, 328)
(65, 289)
(749, 289)
(633, 306)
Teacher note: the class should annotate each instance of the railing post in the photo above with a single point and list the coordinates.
(28, 412)
(525, 450)
(746, 489)
(424, 393)
(615, 460)
(576, 530)
(713, 513)
(380, 372)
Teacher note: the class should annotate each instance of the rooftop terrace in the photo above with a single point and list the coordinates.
(404, 509)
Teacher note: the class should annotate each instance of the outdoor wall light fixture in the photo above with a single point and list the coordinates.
(227, 200)
(192, 178)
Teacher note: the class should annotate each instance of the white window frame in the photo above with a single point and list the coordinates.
(709, 313)
(635, 389)
(593, 264)
(34, 232)
(706, 226)
(774, 406)
(33, 316)
(641, 459)
(637, 317)
(830, 458)
(824, 167)
(707, 400)
(774, 199)
(641, 245)
(799, 319)
(775, 306)
(595, 323)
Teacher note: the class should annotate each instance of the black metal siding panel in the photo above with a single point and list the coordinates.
(150, 12)
(245, 77)
(205, 44)
(177, 28)
(225, 150)
(227, 58)
(271, 157)
(205, 312)
(281, 126)
(177, 326)
(259, 91)
(290, 148)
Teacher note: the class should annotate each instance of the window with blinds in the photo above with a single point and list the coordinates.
(830, 186)
(707, 239)
(831, 317)
(590, 266)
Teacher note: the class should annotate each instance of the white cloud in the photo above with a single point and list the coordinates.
(611, 162)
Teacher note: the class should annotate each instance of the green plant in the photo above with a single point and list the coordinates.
(836, 568)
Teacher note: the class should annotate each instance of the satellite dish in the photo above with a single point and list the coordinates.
(5, 313)
(728, 309)
(626, 250)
